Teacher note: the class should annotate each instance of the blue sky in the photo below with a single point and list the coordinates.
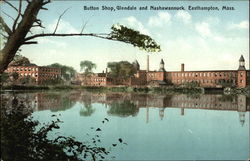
(203, 40)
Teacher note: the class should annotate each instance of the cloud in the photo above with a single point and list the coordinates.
(135, 24)
(184, 16)
(63, 27)
(241, 25)
(163, 18)
(59, 44)
(203, 29)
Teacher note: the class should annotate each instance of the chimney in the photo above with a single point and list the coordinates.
(182, 67)
(106, 72)
(147, 63)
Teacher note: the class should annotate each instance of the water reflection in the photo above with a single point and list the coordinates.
(128, 104)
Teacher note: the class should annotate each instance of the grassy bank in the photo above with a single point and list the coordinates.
(243, 91)
(160, 90)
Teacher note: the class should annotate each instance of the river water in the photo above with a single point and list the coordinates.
(151, 126)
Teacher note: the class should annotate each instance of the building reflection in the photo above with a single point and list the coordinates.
(129, 104)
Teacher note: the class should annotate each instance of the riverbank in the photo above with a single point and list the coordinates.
(161, 90)
(235, 91)
(142, 89)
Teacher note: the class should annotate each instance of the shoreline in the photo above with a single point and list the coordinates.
(136, 89)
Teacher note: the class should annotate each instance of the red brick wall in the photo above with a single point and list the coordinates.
(48, 73)
(242, 79)
(23, 71)
(204, 78)
(40, 74)
(154, 75)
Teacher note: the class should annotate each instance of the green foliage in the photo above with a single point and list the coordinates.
(88, 110)
(15, 76)
(124, 109)
(127, 35)
(23, 138)
(27, 80)
(66, 71)
(20, 60)
(4, 77)
(192, 84)
(87, 66)
(226, 83)
(122, 69)
(54, 81)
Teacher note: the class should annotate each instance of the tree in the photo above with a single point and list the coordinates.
(67, 72)
(4, 78)
(15, 76)
(19, 34)
(121, 69)
(87, 66)
(24, 138)
(124, 109)
(27, 80)
(87, 110)
(20, 60)
(226, 83)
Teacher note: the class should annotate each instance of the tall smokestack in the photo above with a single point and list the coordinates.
(147, 63)
(182, 67)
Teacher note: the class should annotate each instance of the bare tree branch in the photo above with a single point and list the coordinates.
(39, 24)
(28, 1)
(58, 21)
(4, 35)
(30, 42)
(83, 26)
(8, 15)
(46, 2)
(44, 8)
(10, 5)
(5, 26)
(101, 35)
(18, 16)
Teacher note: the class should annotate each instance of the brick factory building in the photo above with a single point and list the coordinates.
(213, 78)
(40, 74)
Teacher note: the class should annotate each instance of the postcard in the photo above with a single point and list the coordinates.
(124, 80)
